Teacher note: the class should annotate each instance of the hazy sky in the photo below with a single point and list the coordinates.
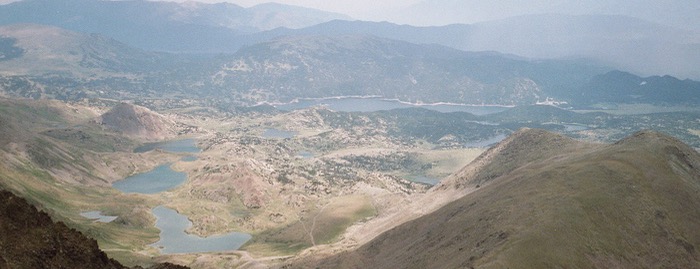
(358, 9)
(677, 13)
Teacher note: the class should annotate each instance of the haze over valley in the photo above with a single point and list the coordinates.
(170, 134)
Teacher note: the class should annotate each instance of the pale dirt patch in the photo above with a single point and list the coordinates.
(446, 162)
(695, 132)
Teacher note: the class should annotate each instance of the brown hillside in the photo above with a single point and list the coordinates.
(520, 148)
(138, 122)
(633, 204)
(30, 239)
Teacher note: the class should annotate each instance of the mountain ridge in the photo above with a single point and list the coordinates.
(630, 204)
(137, 122)
(161, 25)
(620, 41)
(49, 62)
(31, 239)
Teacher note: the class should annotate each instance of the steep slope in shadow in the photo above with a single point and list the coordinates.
(30, 239)
(633, 204)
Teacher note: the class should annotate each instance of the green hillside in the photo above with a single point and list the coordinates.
(632, 204)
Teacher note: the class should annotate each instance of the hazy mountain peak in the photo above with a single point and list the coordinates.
(682, 14)
(163, 25)
(47, 49)
(520, 148)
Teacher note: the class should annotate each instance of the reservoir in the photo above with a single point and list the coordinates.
(358, 104)
(174, 239)
(160, 179)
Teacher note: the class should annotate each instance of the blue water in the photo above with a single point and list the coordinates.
(173, 238)
(160, 179)
(424, 180)
(177, 146)
(97, 216)
(354, 104)
(486, 142)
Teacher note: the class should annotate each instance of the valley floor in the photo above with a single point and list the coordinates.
(303, 183)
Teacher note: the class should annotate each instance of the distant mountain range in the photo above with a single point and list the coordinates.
(680, 14)
(164, 26)
(352, 65)
(49, 62)
(621, 41)
(38, 49)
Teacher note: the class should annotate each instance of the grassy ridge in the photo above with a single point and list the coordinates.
(321, 225)
(633, 204)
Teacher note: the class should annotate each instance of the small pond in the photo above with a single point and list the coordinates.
(177, 146)
(486, 142)
(174, 239)
(97, 216)
(160, 179)
(424, 180)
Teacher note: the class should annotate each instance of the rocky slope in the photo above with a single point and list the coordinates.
(311, 66)
(30, 239)
(32, 49)
(632, 204)
(138, 122)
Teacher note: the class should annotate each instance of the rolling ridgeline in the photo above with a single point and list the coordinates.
(545, 200)
(541, 199)
(563, 189)
(49, 62)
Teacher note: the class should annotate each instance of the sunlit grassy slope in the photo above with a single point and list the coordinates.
(633, 204)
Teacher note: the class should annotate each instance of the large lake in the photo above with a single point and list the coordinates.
(357, 104)
(172, 225)
(174, 239)
(160, 179)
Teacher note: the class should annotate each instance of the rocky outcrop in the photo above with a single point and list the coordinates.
(30, 239)
(138, 122)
